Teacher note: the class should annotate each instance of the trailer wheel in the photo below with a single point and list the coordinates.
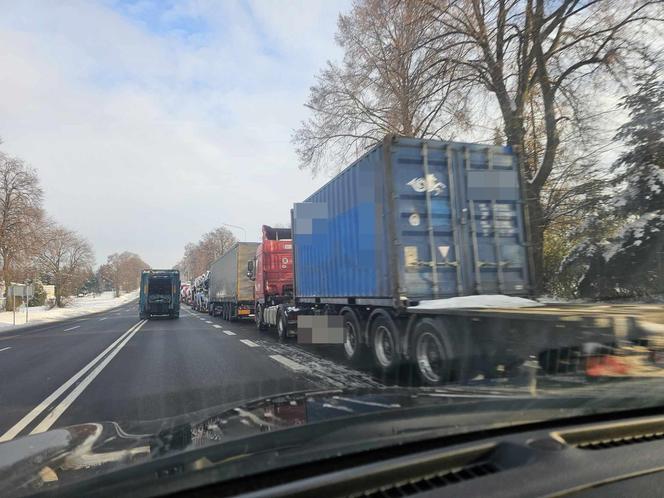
(432, 352)
(354, 350)
(385, 343)
(258, 314)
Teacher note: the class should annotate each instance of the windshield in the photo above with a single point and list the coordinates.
(230, 227)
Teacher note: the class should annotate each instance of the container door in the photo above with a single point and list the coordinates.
(427, 220)
(495, 262)
(458, 220)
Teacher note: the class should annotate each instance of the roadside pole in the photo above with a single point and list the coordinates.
(14, 305)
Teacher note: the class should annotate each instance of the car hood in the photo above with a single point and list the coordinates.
(70, 454)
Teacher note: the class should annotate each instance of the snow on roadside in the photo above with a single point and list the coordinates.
(78, 306)
(483, 301)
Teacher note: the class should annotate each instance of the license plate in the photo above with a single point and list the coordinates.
(242, 312)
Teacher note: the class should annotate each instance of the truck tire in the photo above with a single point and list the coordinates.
(282, 326)
(385, 344)
(431, 350)
(355, 351)
(258, 315)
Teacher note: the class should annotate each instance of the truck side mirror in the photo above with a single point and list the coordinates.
(250, 270)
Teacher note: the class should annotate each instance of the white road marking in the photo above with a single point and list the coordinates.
(208, 321)
(249, 343)
(293, 365)
(101, 319)
(71, 328)
(37, 410)
(5, 349)
(217, 326)
(228, 332)
(55, 414)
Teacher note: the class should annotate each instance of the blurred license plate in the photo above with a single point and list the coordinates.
(242, 312)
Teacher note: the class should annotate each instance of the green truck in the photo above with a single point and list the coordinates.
(160, 294)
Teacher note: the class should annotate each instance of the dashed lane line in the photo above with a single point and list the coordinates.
(5, 349)
(208, 321)
(290, 364)
(41, 407)
(249, 343)
(228, 332)
(72, 328)
(217, 326)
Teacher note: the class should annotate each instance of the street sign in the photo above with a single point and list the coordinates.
(21, 290)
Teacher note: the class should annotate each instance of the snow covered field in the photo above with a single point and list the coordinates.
(78, 306)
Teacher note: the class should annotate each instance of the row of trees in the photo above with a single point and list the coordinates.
(33, 247)
(533, 74)
(200, 255)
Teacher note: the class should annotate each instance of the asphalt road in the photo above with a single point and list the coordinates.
(114, 367)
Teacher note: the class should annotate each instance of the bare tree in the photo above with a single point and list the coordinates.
(557, 54)
(391, 80)
(123, 270)
(21, 215)
(199, 256)
(65, 260)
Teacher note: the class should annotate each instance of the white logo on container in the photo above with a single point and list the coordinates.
(431, 184)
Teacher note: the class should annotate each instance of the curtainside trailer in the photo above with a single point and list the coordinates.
(230, 291)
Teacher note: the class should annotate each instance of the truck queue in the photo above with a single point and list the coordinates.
(374, 258)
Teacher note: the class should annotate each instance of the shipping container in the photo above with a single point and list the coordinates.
(230, 291)
(418, 253)
(414, 220)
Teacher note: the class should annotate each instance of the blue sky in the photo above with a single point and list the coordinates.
(151, 122)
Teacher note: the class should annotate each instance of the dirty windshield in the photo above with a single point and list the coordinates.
(235, 221)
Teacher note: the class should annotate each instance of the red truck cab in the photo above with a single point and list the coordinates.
(273, 269)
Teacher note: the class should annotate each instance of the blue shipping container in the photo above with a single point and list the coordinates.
(412, 220)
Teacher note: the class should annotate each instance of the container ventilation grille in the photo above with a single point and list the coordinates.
(430, 482)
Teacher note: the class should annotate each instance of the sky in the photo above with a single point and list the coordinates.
(152, 122)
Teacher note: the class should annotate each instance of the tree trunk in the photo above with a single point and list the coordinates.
(8, 280)
(536, 236)
(535, 222)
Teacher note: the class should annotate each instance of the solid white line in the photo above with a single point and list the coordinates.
(71, 328)
(5, 349)
(217, 326)
(228, 332)
(293, 365)
(55, 414)
(249, 343)
(37, 410)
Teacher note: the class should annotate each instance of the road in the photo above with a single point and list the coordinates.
(114, 367)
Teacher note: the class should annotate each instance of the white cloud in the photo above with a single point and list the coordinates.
(150, 125)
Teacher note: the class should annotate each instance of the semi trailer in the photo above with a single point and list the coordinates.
(159, 294)
(419, 252)
(230, 291)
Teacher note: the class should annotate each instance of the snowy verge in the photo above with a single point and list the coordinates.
(484, 301)
(78, 306)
